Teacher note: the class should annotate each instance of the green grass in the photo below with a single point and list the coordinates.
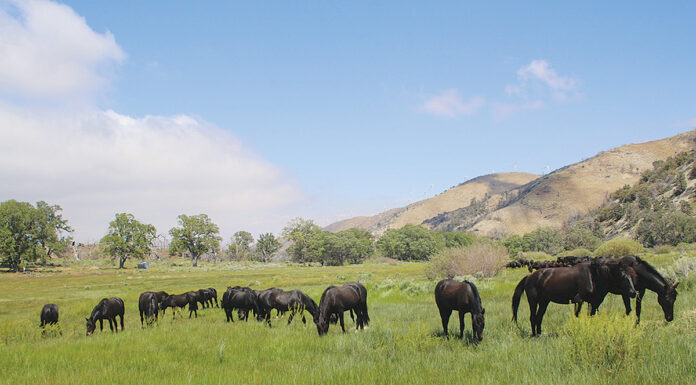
(404, 343)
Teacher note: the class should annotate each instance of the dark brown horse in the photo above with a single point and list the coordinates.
(337, 300)
(212, 296)
(107, 308)
(645, 276)
(293, 301)
(147, 305)
(49, 314)
(242, 298)
(174, 301)
(564, 285)
(463, 297)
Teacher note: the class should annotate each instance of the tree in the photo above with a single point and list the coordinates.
(266, 246)
(52, 230)
(127, 237)
(410, 242)
(240, 245)
(546, 239)
(28, 232)
(299, 232)
(196, 235)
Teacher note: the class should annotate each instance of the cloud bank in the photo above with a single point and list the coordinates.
(95, 163)
(449, 103)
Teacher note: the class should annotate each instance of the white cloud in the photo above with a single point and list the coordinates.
(540, 72)
(48, 50)
(98, 163)
(450, 104)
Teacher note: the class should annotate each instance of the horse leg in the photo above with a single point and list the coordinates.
(121, 321)
(540, 315)
(101, 324)
(445, 315)
(639, 302)
(627, 303)
(532, 313)
(578, 307)
(292, 314)
(340, 317)
(141, 319)
(111, 325)
(461, 324)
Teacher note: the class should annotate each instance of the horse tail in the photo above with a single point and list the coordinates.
(517, 296)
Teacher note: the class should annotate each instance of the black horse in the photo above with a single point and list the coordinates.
(107, 308)
(194, 298)
(565, 285)
(243, 299)
(147, 304)
(645, 276)
(212, 293)
(49, 314)
(464, 297)
(174, 301)
(294, 301)
(337, 300)
(267, 302)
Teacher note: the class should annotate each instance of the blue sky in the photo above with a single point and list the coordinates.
(360, 107)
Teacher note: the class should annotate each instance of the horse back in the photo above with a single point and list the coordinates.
(455, 295)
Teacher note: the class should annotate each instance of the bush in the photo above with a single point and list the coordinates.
(580, 252)
(612, 343)
(619, 247)
(537, 256)
(484, 258)
(546, 239)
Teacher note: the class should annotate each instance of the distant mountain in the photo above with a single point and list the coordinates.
(455, 198)
(516, 203)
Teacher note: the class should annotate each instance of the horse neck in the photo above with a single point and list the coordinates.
(651, 279)
(96, 313)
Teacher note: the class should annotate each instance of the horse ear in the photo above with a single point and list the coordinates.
(483, 311)
(87, 319)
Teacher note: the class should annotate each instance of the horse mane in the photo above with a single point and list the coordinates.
(652, 270)
(476, 295)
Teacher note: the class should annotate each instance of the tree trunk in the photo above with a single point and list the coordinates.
(195, 261)
(121, 261)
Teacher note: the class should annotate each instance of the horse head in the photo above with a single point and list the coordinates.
(666, 300)
(91, 325)
(479, 322)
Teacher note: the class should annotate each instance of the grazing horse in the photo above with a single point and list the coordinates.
(49, 314)
(563, 285)
(107, 308)
(464, 297)
(204, 297)
(267, 302)
(194, 297)
(337, 300)
(645, 276)
(212, 296)
(147, 304)
(243, 299)
(294, 301)
(174, 301)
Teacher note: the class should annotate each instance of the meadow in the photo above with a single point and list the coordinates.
(404, 343)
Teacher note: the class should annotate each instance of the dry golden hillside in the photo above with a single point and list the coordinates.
(452, 199)
(579, 188)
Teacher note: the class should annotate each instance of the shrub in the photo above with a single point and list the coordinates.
(537, 256)
(619, 247)
(484, 258)
(580, 252)
(612, 343)
(546, 239)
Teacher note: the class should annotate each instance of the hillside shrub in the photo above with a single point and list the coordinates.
(483, 259)
(604, 342)
(537, 256)
(546, 239)
(619, 247)
(579, 252)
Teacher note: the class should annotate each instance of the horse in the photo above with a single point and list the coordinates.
(174, 301)
(463, 297)
(49, 314)
(337, 300)
(147, 304)
(107, 308)
(294, 301)
(213, 296)
(563, 285)
(243, 299)
(645, 277)
(267, 302)
(194, 297)
(161, 295)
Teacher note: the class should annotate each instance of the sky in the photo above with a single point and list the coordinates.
(258, 112)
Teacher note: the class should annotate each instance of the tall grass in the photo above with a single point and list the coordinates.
(403, 344)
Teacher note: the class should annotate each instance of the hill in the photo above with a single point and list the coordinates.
(516, 203)
(476, 189)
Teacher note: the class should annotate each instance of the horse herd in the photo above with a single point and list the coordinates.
(568, 280)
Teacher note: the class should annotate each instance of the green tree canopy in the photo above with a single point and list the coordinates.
(127, 237)
(299, 231)
(266, 246)
(30, 233)
(240, 245)
(410, 242)
(196, 235)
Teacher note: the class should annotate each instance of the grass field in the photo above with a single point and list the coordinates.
(404, 343)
